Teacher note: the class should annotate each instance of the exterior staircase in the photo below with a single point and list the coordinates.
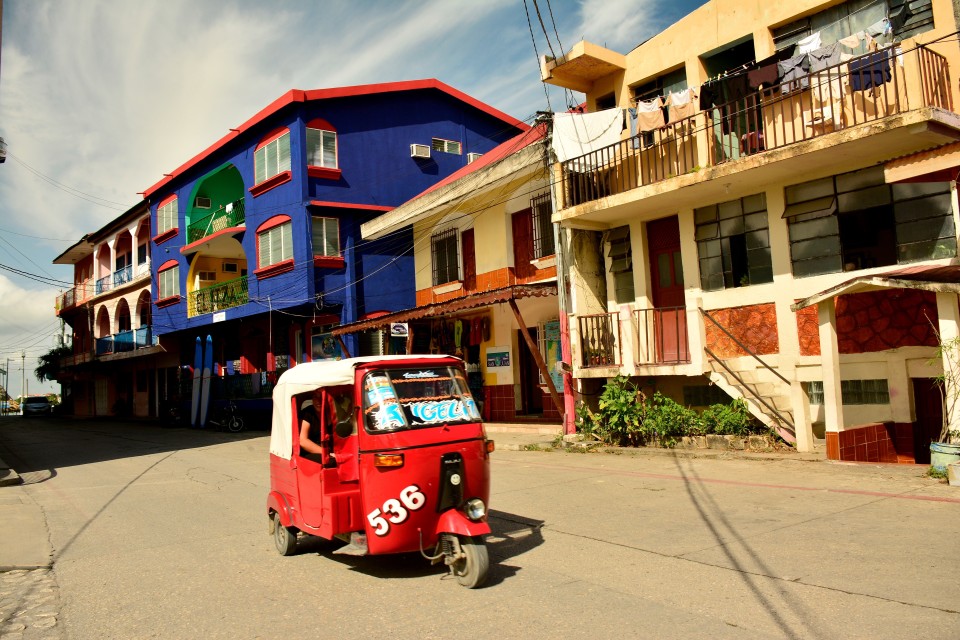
(767, 395)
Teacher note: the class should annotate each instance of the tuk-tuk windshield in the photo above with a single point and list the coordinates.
(416, 398)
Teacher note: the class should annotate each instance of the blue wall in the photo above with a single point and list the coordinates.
(374, 134)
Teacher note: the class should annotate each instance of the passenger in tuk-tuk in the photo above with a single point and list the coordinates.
(311, 435)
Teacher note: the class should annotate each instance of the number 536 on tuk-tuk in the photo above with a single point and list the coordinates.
(388, 454)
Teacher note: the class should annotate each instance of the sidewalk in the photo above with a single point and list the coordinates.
(23, 528)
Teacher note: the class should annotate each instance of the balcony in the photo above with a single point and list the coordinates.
(225, 295)
(755, 138)
(125, 341)
(600, 340)
(226, 217)
(661, 336)
(72, 297)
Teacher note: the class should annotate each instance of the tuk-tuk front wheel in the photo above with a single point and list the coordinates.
(284, 537)
(473, 564)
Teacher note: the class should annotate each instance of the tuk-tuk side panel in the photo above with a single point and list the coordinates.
(283, 481)
(343, 513)
(400, 504)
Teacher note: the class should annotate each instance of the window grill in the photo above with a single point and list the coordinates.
(543, 240)
(446, 259)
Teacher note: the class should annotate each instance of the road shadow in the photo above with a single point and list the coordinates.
(511, 535)
(37, 447)
(717, 523)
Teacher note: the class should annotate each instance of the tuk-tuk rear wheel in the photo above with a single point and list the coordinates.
(284, 537)
(471, 569)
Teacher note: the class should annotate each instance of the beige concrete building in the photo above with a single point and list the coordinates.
(776, 221)
(485, 262)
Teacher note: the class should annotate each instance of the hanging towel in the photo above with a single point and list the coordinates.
(808, 44)
(852, 42)
(650, 114)
(793, 73)
(683, 104)
(576, 134)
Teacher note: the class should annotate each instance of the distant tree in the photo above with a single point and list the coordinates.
(49, 363)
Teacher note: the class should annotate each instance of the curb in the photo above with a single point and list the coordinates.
(8, 476)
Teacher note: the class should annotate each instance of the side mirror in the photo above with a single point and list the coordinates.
(344, 428)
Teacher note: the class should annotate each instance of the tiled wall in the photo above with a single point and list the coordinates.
(499, 403)
(755, 326)
(880, 442)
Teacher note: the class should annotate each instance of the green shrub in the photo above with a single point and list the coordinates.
(732, 419)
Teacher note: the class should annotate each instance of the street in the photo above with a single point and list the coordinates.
(162, 533)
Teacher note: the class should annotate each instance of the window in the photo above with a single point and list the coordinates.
(543, 240)
(621, 264)
(321, 148)
(169, 282)
(815, 392)
(275, 244)
(864, 392)
(326, 237)
(206, 276)
(733, 243)
(141, 253)
(416, 399)
(446, 146)
(855, 221)
(167, 216)
(907, 19)
(230, 267)
(272, 158)
(446, 261)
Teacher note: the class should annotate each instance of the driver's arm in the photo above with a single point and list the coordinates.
(306, 444)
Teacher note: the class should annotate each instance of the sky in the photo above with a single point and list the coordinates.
(100, 98)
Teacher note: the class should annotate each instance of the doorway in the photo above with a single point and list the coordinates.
(929, 403)
(666, 275)
(531, 397)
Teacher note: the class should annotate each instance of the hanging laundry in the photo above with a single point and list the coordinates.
(650, 114)
(682, 104)
(808, 44)
(576, 134)
(793, 73)
(852, 42)
(734, 90)
(873, 70)
(457, 333)
(824, 57)
(764, 76)
(880, 31)
(476, 335)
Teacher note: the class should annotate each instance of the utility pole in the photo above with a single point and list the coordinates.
(23, 379)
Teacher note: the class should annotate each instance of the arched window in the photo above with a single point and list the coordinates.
(168, 280)
(321, 144)
(272, 156)
(274, 241)
(167, 215)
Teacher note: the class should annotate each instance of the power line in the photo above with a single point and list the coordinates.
(102, 202)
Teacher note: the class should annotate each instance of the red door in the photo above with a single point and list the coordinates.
(666, 272)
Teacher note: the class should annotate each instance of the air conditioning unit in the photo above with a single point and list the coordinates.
(201, 203)
(419, 151)
(473, 156)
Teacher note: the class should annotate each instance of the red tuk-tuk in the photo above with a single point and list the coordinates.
(388, 454)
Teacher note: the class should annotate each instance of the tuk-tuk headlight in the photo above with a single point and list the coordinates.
(475, 509)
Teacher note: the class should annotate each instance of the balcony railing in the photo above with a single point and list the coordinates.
(230, 215)
(125, 341)
(862, 90)
(228, 294)
(599, 340)
(104, 284)
(662, 336)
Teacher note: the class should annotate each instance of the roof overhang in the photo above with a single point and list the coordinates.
(936, 165)
(936, 278)
(440, 309)
(583, 65)
(514, 168)
(76, 252)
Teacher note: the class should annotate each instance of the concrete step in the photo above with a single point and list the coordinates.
(523, 428)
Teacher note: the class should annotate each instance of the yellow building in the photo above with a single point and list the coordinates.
(777, 219)
(486, 279)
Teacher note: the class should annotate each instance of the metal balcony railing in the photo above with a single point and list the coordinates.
(104, 284)
(861, 90)
(225, 295)
(599, 340)
(123, 275)
(662, 336)
(227, 216)
(124, 341)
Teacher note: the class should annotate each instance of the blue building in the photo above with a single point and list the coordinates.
(256, 240)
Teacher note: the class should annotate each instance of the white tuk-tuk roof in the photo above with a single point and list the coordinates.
(308, 376)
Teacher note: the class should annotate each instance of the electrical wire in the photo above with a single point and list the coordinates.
(102, 202)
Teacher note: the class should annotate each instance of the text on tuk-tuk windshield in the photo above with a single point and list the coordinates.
(414, 398)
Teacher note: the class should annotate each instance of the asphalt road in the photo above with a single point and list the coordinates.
(162, 533)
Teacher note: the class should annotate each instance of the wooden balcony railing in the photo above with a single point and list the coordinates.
(662, 336)
(861, 90)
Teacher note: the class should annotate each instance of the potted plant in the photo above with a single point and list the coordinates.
(946, 449)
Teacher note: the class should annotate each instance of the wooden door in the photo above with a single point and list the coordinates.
(666, 273)
(929, 404)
